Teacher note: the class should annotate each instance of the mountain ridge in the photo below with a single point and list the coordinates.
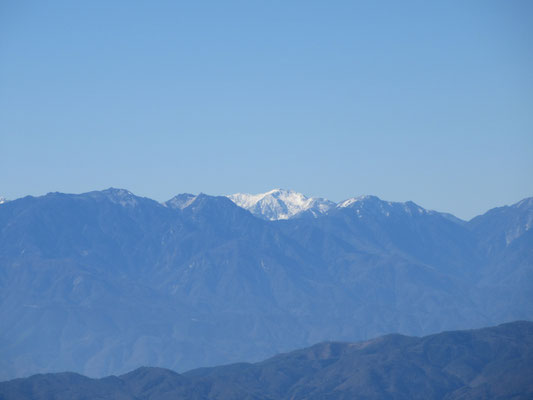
(249, 201)
(494, 362)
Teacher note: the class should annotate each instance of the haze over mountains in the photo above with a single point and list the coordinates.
(490, 363)
(103, 282)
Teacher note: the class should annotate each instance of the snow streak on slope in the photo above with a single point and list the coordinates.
(281, 204)
(181, 201)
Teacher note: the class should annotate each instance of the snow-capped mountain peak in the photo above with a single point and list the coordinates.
(279, 204)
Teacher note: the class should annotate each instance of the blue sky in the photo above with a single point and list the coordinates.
(423, 101)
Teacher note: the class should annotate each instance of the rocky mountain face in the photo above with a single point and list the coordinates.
(104, 282)
(491, 363)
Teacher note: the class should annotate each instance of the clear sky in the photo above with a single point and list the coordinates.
(417, 100)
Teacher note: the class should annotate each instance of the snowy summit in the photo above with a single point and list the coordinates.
(281, 204)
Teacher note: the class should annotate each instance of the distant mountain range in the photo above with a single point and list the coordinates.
(491, 363)
(103, 282)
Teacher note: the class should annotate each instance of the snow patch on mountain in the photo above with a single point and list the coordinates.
(366, 205)
(359, 199)
(180, 201)
(524, 219)
(280, 204)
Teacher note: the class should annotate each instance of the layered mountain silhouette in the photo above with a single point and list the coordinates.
(103, 282)
(491, 363)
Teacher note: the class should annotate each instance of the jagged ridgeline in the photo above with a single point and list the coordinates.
(103, 282)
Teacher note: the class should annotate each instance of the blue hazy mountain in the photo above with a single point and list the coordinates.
(490, 363)
(103, 282)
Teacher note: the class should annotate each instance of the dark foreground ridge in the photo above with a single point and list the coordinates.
(490, 363)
